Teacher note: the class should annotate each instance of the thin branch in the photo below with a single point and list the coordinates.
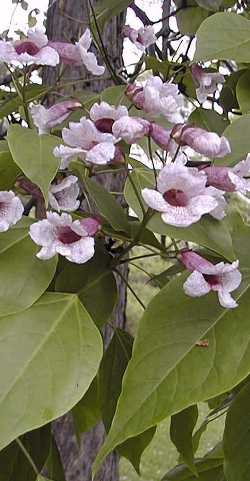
(130, 288)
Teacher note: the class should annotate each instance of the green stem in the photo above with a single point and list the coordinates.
(25, 106)
(130, 288)
(28, 456)
(152, 159)
(139, 257)
(136, 193)
(148, 214)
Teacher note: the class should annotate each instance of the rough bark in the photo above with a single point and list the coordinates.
(66, 20)
(165, 25)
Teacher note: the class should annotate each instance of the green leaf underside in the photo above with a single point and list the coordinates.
(182, 438)
(237, 438)
(14, 465)
(230, 38)
(94, 283)
(207, 232)
(25, 278)
(33, 153)
(54, 350)
(167, 371)
(113, 366)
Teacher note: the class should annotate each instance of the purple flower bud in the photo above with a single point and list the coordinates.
(160, 136)
(205, 143)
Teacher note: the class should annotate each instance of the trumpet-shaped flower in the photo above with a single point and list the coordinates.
(11, 210)
(221, 278)
(207, 82)
(86, 142)
(34, 49)
(59, 234)
(157, 97)
(181, 196)
(78, 53)
(45, 119)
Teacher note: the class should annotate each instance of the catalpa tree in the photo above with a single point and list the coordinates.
(64, 236)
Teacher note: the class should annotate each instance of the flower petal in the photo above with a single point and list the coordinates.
(196, 285)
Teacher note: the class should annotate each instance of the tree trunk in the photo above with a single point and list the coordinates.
(66, 20)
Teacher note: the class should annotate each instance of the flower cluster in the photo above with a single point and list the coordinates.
(38, 50)
(182, 194)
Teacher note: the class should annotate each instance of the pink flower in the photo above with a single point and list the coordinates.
(207, 82)
(157, 98)
(32, 50)
(45, 119)
(104, 115)
(160, 136)
(142, 38)
(203, 142)
(79, 54)
(130, 129)
(11, 210)
(63, 196)
(221, 278)
(230, 179)
(58, 234)
(181, 195)
(85, 142)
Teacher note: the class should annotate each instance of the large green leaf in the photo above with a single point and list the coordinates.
(33, 153)
(12, 102)
(168, 372)
(224, 36)
(111, 372)
(94, 283)
(243, 92)
(181, 430)
(107, 206)
(237, 438)
(8, 171)
(23, 277)
(189, 19)
(238, 134)
(14, 465)
(50, 353)
(207, 232)
(208, 120)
